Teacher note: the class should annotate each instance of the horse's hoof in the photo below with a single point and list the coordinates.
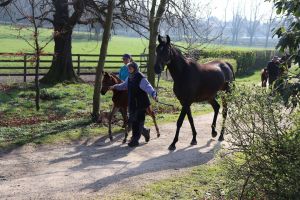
(172, 147)
(124, 141)
(214, 133)
(111, 138)
(221, 139)
(158, 135)
(193, 142)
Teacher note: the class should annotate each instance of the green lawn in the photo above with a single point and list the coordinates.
(203, 182)
(10, 42)
(65, 113)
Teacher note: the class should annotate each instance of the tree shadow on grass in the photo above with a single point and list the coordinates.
(41, 132)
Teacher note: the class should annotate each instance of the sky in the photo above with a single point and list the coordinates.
(218, 7)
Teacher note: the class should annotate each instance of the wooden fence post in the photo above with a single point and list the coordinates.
(25, 68)
(78, 65)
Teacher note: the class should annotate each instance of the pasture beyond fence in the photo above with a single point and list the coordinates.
(22, 64)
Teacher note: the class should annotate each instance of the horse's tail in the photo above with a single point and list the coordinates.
(231, 68)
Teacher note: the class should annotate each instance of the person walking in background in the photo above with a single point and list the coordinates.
(123, 73)
(138, 89)
(273, 69)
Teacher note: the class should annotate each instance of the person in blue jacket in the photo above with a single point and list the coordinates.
(123, 73)
(138, 89)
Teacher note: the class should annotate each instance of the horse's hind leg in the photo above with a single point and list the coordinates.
(189, 114)
(216, 107)
(114, 110)
(179, 124)
(125, 118)
(152, 114)
(224, 113)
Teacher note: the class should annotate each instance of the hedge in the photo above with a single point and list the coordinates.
(246, 60)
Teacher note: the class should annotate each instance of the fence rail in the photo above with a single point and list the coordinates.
(21, 64)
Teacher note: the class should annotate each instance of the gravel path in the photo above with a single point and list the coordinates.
(98, 168)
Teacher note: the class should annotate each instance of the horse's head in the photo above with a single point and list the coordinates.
(107, 81)
(163, 54)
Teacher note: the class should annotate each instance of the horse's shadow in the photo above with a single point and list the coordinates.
(103, 153)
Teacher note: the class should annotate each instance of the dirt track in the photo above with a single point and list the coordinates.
(98, 168)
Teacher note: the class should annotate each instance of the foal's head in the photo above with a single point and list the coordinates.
(108, 80)
(163, 54)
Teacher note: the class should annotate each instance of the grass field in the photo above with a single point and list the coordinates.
(203, 182)
(65, 113)
(11, 42)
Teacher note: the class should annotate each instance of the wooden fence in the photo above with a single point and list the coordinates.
(21, 64)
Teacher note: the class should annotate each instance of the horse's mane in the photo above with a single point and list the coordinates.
(116, 77)
(179, 53)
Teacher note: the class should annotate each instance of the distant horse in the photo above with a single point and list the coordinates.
(194, 82)
(120, 102)
(264, 77)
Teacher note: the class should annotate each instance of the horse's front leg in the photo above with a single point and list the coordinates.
(216, 107)
(114, 110)
(125, 125)
(172, 147)
(190, 117)
(152, 114)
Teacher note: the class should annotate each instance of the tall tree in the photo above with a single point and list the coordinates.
(103, 52)
(288, 34)
(270, 24)
(154, 21)
(33, 12)
(62, 66)
(254, 19)
(236, 24)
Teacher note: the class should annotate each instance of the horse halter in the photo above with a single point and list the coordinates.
(170, 57)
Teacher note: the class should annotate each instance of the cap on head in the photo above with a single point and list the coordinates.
(126, 56)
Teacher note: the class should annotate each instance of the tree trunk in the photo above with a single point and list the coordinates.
(103, 52)
(151, 58)
(62, 66)
(154, 22)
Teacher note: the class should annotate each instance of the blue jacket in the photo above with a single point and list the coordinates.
(123, 73)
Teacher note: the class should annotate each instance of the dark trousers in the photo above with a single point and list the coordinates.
(137, 120)
(272, 79)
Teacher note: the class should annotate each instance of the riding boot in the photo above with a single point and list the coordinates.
(136, 134)
(146, 133)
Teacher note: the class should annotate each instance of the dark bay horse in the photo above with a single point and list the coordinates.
(264, 77)
(194, 82)
(120, 103)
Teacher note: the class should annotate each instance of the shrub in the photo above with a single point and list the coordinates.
(263, 160)
(247, 60)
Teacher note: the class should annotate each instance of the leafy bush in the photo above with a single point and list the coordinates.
(263, 158)
(246, 59)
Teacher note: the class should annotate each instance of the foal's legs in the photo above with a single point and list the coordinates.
(224, 113)
(216, 107)
(114, 110)
(189, 114)
(179, 124)
(152, 114)
(125, 119)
